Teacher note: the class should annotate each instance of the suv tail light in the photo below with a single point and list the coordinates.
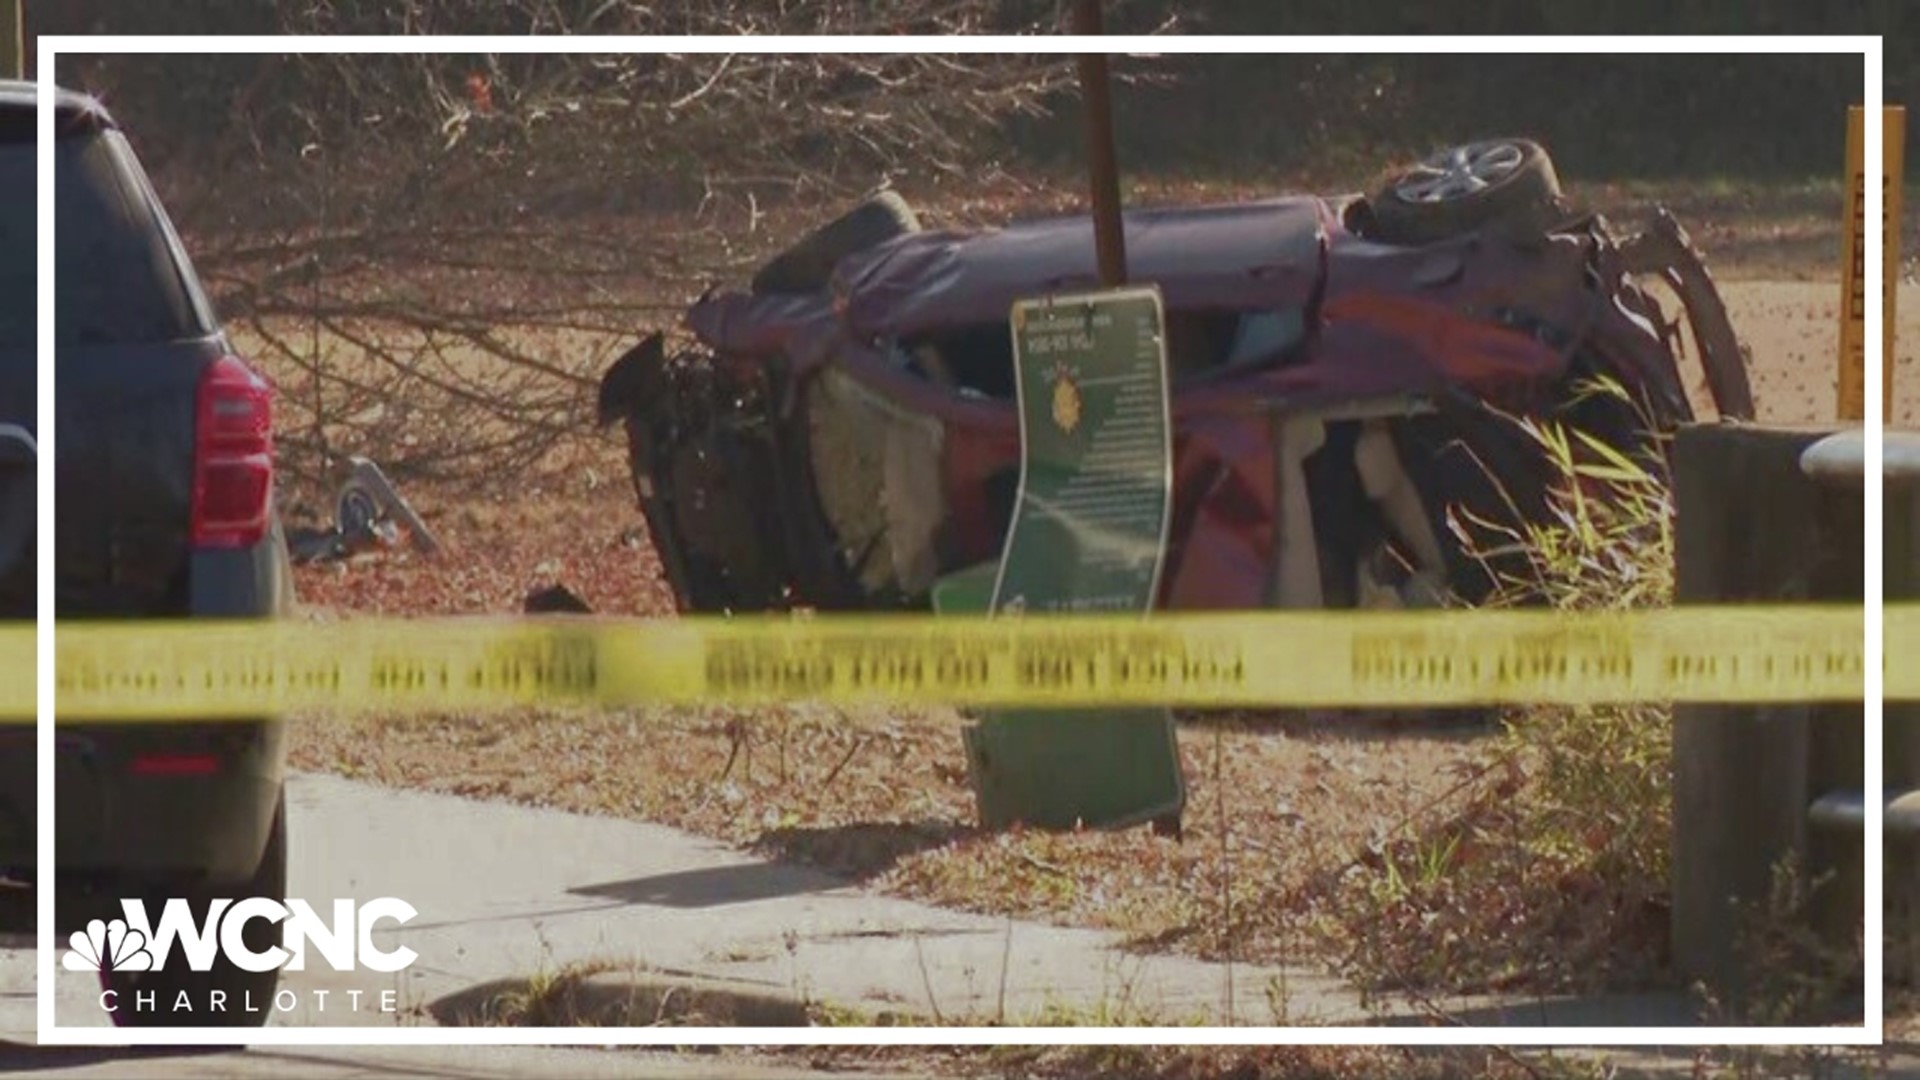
(232, 456)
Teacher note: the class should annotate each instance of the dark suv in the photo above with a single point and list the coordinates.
(164, 508)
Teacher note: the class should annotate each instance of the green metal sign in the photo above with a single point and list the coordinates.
(1090, 526)
(1088, 534)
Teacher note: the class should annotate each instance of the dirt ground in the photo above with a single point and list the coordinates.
(883, 797)
(1791, 329)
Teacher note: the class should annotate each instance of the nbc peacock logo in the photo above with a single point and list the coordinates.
(108, 946)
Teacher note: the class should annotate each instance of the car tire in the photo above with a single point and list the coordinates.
(807, 266)
(1465, 189)
(241, 986)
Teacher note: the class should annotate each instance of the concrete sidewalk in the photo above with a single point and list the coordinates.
(507, 893)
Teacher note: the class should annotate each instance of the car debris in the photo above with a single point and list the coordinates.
(842, 434)
(370, 514)
(554, 600)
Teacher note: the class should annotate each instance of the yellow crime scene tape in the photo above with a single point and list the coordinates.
(131, 671)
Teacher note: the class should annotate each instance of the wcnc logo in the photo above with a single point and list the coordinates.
(134, 943)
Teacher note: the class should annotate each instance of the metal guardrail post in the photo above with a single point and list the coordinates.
(1751, 526)
(1840, 812)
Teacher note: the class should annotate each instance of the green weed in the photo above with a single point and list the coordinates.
(1551, 872)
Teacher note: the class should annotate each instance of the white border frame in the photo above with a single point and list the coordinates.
(50, 1033)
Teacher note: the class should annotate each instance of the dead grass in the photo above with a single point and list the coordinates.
(546, 999)
(1194, 1063)
(882, 796)
(1560, 851)
(877, 796)
(1383, 1063)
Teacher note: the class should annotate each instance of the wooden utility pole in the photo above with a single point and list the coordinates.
(1103, 171)
(13, 40)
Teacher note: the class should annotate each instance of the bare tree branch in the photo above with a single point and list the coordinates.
(435, 254)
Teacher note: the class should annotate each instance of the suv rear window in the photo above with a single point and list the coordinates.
(16, 247)
(117, 280)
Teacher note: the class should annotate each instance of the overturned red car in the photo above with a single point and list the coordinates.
(842, 434)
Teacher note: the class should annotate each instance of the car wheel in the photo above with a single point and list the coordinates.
(807, 266)
(1466, 188)
(248, 994)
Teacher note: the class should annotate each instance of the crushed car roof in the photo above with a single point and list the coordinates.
(1266, 254)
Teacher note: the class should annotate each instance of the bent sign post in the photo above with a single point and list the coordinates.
(1853, 291)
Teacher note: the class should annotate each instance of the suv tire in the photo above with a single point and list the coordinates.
(807, 266)
(1467, 188)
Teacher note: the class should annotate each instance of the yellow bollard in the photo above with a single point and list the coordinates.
(1853, 287)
